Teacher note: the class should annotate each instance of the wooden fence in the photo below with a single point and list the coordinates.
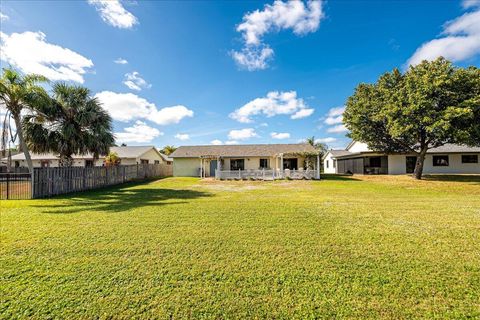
(54, 181)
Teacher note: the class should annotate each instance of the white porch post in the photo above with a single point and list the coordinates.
(217, 173)
(201, 168)
(318, 167)
(281, 165)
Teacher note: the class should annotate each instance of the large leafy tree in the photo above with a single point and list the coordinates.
(19, 93)
(73, 123)
(431, 104)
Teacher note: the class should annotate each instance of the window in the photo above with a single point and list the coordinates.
(469, 158)
(157, 162)
(326, 163)
(237, 164)
(440, 161)
(44, 163)
(375, 162)
(291, 164)
(88, 163)
(334, 163)
(263, 163)
(143, 161)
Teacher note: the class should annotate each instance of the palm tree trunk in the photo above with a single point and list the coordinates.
(23, 146)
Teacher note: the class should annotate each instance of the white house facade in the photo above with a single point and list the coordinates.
(357, 158)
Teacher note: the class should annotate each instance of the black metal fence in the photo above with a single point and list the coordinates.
(15, 186)
(49, 182)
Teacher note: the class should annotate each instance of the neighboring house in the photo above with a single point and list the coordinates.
(128, 156)
(357, 158)
(203, 161)
(166, 159)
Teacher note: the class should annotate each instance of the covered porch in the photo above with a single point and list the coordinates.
(371, 164)
(279, 166)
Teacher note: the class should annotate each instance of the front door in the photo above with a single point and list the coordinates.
(411, 162)
(213, 167)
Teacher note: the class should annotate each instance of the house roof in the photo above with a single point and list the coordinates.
(245, 150)
(123, 153)
(165, 157)
(339, 153)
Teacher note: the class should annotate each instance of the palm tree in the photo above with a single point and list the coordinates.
(112, 159)
(72, 123)
(322, 147)
(17, 93)
(168, 150)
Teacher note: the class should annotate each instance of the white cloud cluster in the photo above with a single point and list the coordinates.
(135, 82)
(31, 53)
(140, 132)
(295, 15)
(3, 17)
(274, 103)
(182, 136)
(120, 61)
(334, 119)
(460, 39)
(280, 135)
(216, 142)
(326, 140)
(128, 106)
(242, 134)
(113, 13)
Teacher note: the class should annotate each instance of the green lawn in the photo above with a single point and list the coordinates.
(362, 247)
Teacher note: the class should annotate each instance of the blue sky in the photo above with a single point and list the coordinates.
(205, 72)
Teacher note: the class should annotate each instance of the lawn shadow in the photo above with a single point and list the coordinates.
(453, 178)
(338, 177)
(120, 198)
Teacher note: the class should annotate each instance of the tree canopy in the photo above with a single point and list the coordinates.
(429, 105)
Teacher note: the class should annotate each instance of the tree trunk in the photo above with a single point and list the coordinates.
(65, 161)
(417, 174)
(23, 146)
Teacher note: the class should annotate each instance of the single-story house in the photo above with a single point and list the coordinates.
(128, 155)
(205, 161)
(167, 159)
(358, 158)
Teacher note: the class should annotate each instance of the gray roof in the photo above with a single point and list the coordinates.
(123, 153)
(339, 153)
(165, 157)
(245, 150)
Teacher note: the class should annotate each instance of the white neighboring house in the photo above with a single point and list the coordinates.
(357, 158)
(128, 155)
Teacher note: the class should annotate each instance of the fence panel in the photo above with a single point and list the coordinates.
(15, 186)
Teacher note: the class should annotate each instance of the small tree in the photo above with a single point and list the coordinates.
(112, 159)
(168, 150)
(429, 105)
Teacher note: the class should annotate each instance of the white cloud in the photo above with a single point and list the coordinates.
(470, 3)
(294, 15)
(253, 58)
(30, 52)
(135, 82)
(242, 134)
(326, 140)
(280, 135)
(337, 129)
(113, 13)
(128, 106)
(120, 61)
(335, 116)
(460, 39)
(140, 132)
(3, 17)
(274, 103)
(182, 136)
(216, 142)
(230, 142)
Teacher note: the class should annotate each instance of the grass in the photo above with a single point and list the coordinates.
(344, 247)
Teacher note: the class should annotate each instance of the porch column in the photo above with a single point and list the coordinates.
(318, 167)
(201, 168)
(217, 173)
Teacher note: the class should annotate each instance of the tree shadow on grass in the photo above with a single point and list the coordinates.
(120, 199)
(453, 178)
(338, 177)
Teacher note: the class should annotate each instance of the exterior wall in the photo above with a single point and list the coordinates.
(186, 167)
(329, 160)
(358, 147)
(397, 165)
(151, 155)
